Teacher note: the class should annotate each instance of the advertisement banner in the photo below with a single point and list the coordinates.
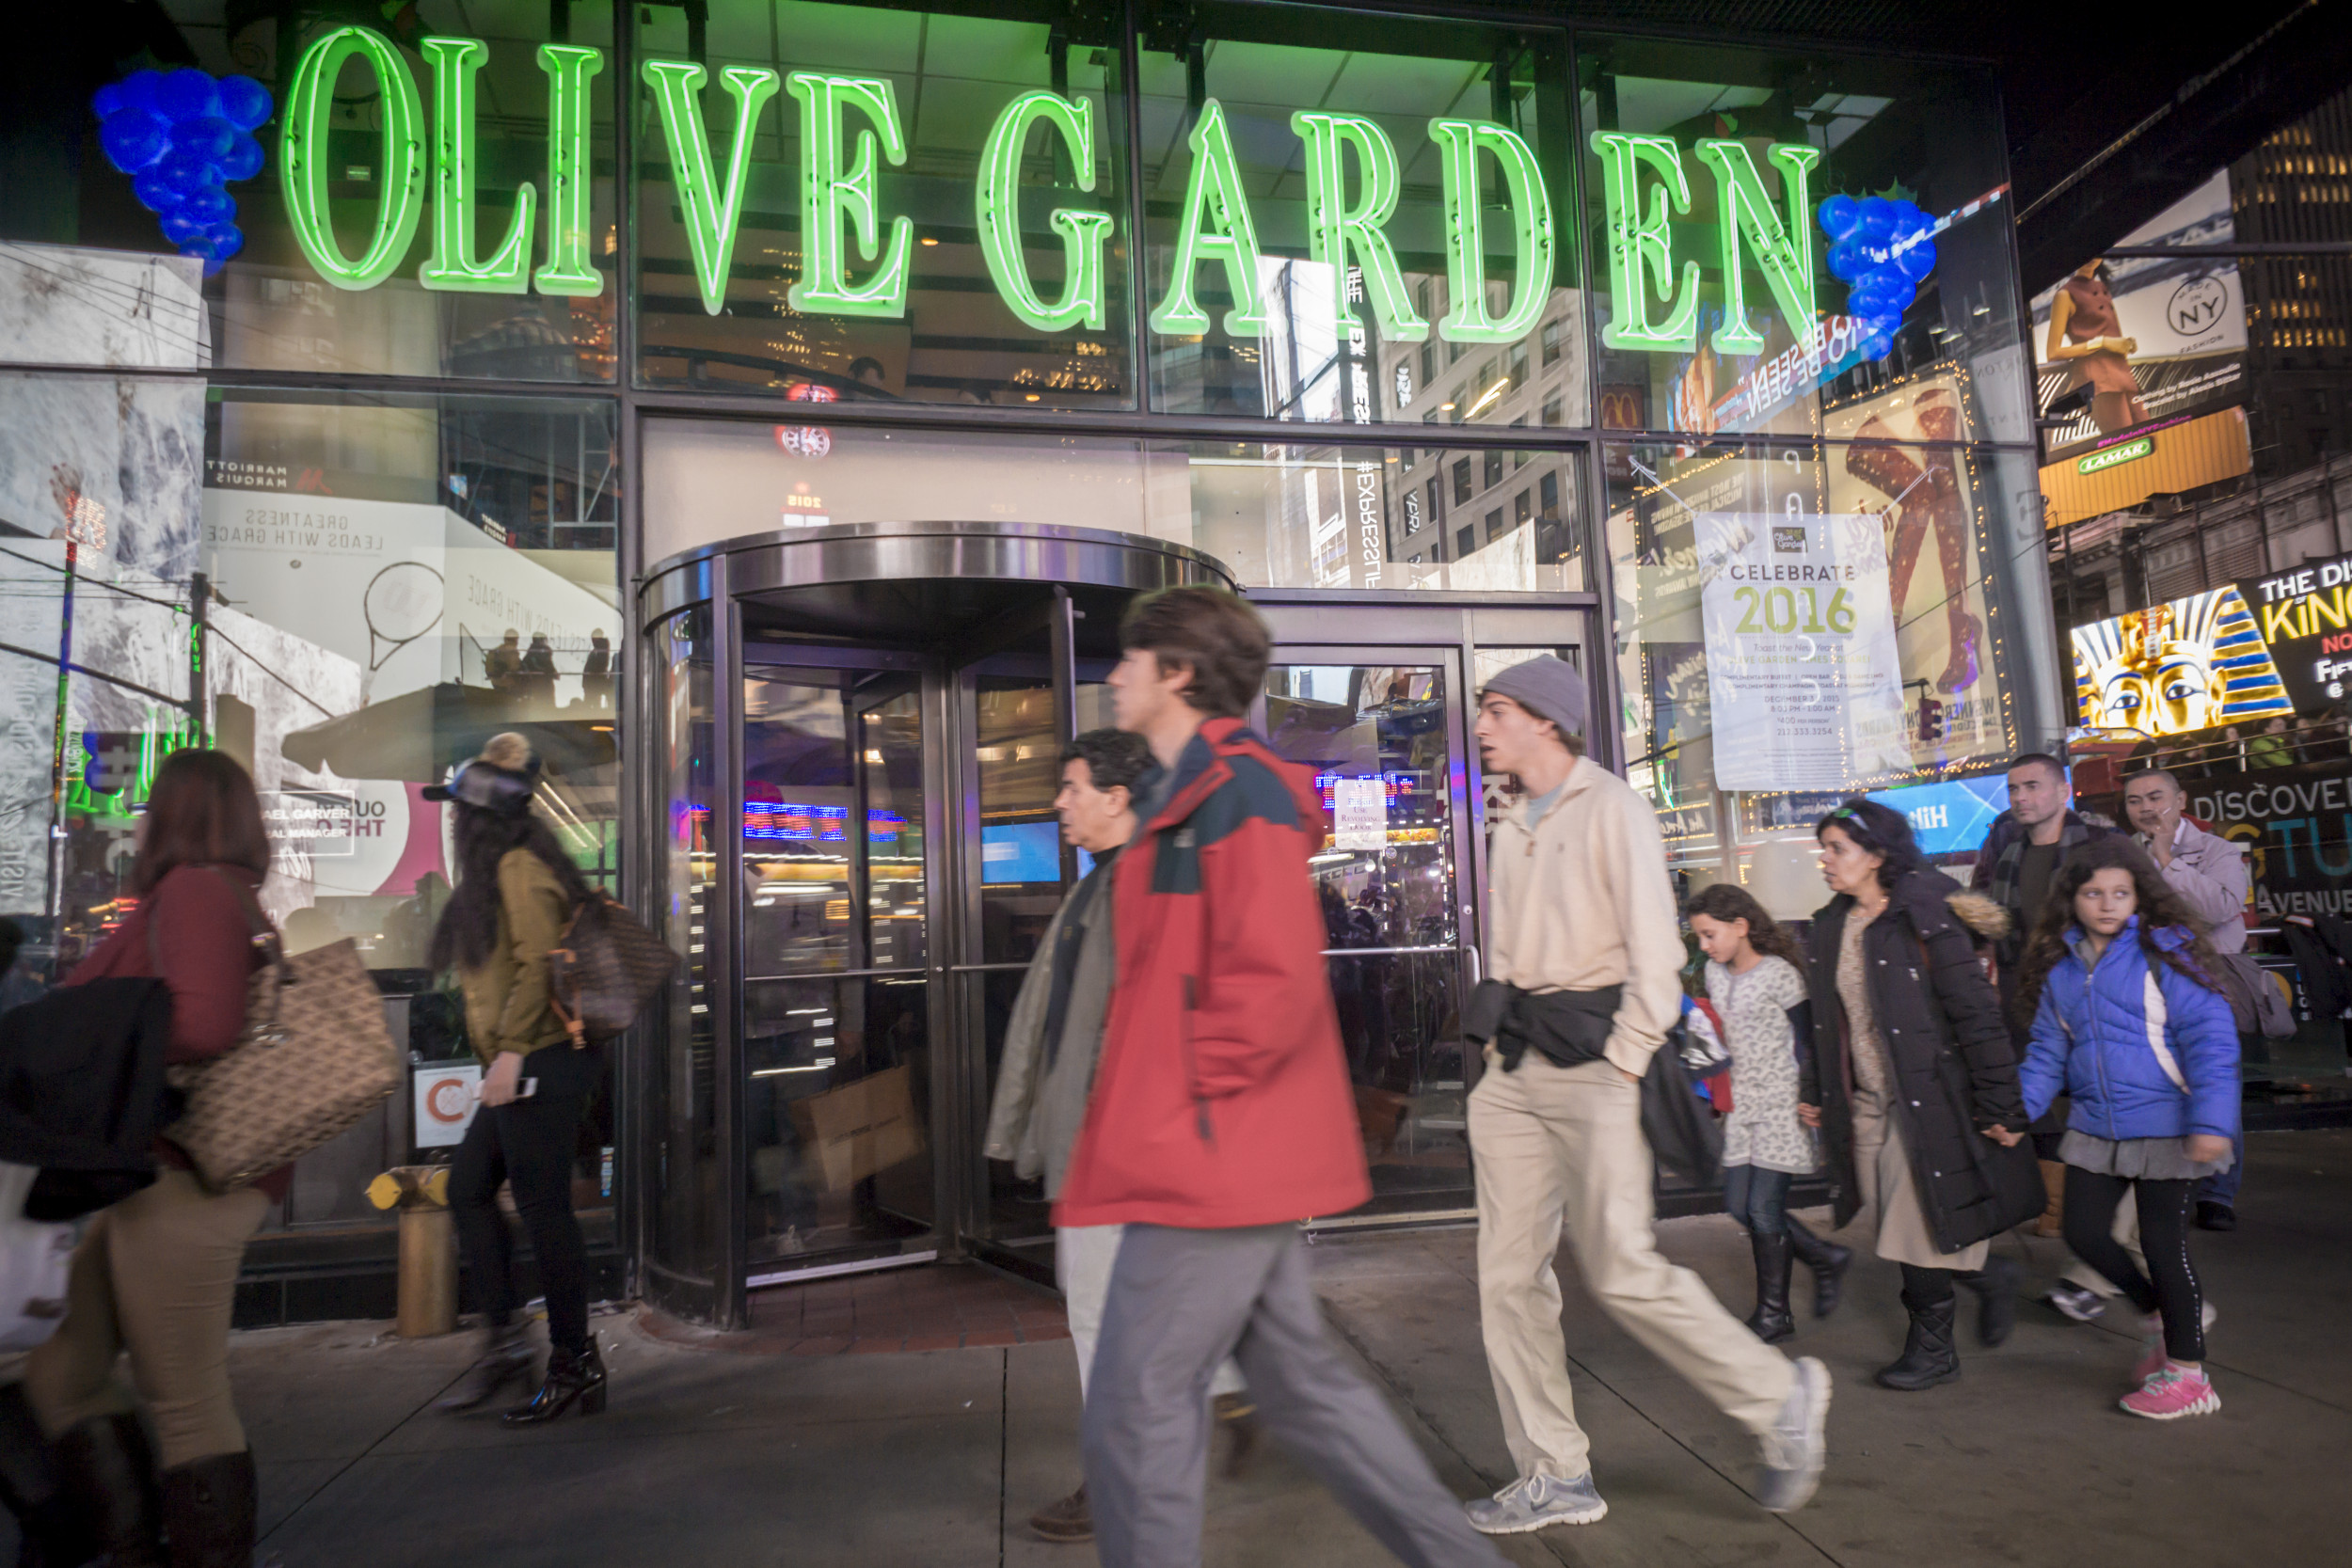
(2154, 338)
(1925, 495)
(2296, 825)
(1801, 657)
(2305, 618)
(2176, 668)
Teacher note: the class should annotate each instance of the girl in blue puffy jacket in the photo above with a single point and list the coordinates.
(2130, 1023)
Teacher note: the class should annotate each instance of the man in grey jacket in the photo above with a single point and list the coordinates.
(1052, 1041)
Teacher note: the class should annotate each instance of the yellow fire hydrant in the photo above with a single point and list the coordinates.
(428, 1247)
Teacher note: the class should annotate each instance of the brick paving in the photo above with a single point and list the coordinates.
(954, 1307)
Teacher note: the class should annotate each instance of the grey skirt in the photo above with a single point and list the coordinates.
(2142, 1159)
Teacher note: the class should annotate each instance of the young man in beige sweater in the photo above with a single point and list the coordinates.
(1582, 928)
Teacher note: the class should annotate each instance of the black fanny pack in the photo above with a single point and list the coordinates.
(1566, 1027)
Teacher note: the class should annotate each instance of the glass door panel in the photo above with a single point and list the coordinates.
(1382, 730)
(835, 1045)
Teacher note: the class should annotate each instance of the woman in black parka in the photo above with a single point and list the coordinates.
(1912, 1081)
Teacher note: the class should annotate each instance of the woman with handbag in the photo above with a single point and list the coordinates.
(515, 891)
(1912, 1081)
(156, 1274)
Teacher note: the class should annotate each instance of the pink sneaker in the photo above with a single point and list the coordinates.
(2171, 1393)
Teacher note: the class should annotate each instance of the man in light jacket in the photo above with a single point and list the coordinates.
(2209, 872)
(1582, 926)
(1047, 1070)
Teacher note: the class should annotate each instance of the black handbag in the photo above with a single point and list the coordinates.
(1684, 1135)
(82, 1092)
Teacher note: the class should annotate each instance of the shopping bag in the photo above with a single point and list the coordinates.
(860, 1128)
(34, 1258)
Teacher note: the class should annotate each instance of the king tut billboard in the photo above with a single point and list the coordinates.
(2177, 667)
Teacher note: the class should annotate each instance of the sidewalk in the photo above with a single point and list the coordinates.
(936, 1457)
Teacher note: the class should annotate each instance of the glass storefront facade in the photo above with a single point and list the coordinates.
(440, 398)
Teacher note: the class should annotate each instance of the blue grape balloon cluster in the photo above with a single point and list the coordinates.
(1878, 247)
(182, 135)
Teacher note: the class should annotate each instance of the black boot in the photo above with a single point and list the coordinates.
(1995, 1286)
(51, 1532)
(209, 1510)
(1828, 1261)
(1928, 1356)
(571, 1379)
(106, 1473)
(1771, 1321)
(506, 1361)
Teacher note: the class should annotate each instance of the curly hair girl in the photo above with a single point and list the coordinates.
(1728, 901)
(2160, 907)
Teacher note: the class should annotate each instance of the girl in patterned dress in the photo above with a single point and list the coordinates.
(1756, 979)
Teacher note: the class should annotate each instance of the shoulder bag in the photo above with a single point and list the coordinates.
(604, 969)
(313, 1058)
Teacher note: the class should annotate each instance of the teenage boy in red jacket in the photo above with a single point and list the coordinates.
(1221, 1116)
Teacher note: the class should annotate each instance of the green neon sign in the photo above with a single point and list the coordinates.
(996, 211)
(832, 193)
(1640, 240)
(849, 125)
(2130, 451)
(1217, 227)
(302, 165)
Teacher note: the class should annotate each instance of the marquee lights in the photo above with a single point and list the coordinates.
(997, 210)
(1651, 307)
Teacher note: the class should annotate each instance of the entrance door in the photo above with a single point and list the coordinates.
(859, 739)
(1379, 700)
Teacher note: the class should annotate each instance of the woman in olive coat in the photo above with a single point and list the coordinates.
(1912, 1081)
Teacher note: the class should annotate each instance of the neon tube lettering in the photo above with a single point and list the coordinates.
(1468, 321)
(452, 266)
(1641, 248)
(1217, 228)
(996, 207)
(303, 157)
(570, 166)
(712, 214)
(830, 193)
(1333, 227)
(1743, 214)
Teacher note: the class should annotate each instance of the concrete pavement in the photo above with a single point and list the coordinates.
(937, 1457)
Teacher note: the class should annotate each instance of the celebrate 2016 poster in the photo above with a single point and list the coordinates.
(1803, 672)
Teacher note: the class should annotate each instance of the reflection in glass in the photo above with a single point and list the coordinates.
(1378, 738)
(1021, 857)
(683, 1048)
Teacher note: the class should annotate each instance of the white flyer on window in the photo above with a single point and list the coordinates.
(1802, 667)
(1359, 813)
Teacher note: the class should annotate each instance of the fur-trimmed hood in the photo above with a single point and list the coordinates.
(1983, 915)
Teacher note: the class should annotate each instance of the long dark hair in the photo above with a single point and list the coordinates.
(1729, 901)
(202, 811)
(2161, 909)
(1880, 831)
(468, 929)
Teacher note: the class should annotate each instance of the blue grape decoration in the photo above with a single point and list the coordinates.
(183, 137)
(1880, 250)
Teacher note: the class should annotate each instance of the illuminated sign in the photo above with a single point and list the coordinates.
(2116, 456)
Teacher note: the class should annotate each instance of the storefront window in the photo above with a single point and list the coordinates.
(963, 240)
(387, 262)
(1733, 290)
(1320, 220)
(1276, 516)
(1797, 624)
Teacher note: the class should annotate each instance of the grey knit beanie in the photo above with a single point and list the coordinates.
(1549, 688)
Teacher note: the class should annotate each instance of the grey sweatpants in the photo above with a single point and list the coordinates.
(1179, 1303)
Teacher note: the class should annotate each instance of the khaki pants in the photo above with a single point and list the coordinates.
(156, 1275)
(1084, 1256)
(1556, 1145)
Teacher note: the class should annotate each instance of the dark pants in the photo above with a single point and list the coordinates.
(1179, 1303)
(2091, 1199)
(1758, 1198)
(527, 1144)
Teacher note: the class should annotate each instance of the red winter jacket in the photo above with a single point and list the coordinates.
(1222, 1097)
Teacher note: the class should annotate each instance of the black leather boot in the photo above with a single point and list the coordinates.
(1828, 1261)
(1771, 1321)
(506, 1362)
(107, 1475)
(51, 1532)
(1995, 1286)
(571, 1380)
(209, 1510)
(1928, 1356)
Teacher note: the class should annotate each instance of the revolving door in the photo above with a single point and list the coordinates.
(852, 748)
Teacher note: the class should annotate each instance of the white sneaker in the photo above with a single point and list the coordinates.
(1798, 1446)
(1537, 1503)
